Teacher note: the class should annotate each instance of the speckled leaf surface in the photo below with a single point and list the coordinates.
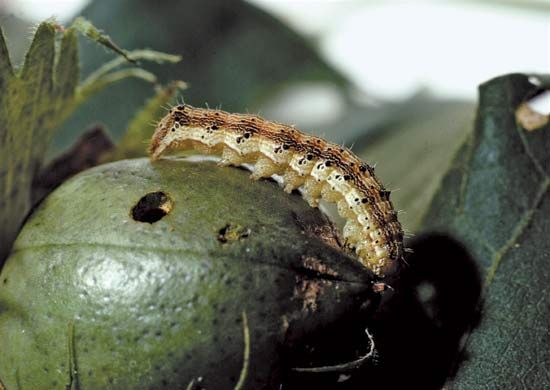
(495, 200)
(34, 101)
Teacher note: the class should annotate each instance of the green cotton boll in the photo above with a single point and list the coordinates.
(139, 275)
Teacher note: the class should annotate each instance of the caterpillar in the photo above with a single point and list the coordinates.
(322, 169)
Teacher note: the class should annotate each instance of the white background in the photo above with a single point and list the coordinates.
(393, 48)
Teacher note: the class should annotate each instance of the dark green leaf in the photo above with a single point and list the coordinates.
(496, 200)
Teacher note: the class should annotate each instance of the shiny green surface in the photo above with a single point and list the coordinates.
(159, 305)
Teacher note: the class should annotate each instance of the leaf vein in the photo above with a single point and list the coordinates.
(529, 153)
(517, 231)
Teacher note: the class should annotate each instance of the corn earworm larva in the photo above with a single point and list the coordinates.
(322, 169)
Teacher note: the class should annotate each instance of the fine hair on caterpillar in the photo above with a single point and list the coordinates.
(322, 169)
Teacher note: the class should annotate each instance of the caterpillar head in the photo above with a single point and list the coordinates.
(168, 130)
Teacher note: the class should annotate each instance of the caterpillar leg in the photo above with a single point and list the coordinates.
(292, 180)
(230, 157)
(312, 191)
(264, 167)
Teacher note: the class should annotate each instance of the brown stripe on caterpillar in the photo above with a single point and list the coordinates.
(324, 171)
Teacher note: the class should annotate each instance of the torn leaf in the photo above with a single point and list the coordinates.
(529, 119)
